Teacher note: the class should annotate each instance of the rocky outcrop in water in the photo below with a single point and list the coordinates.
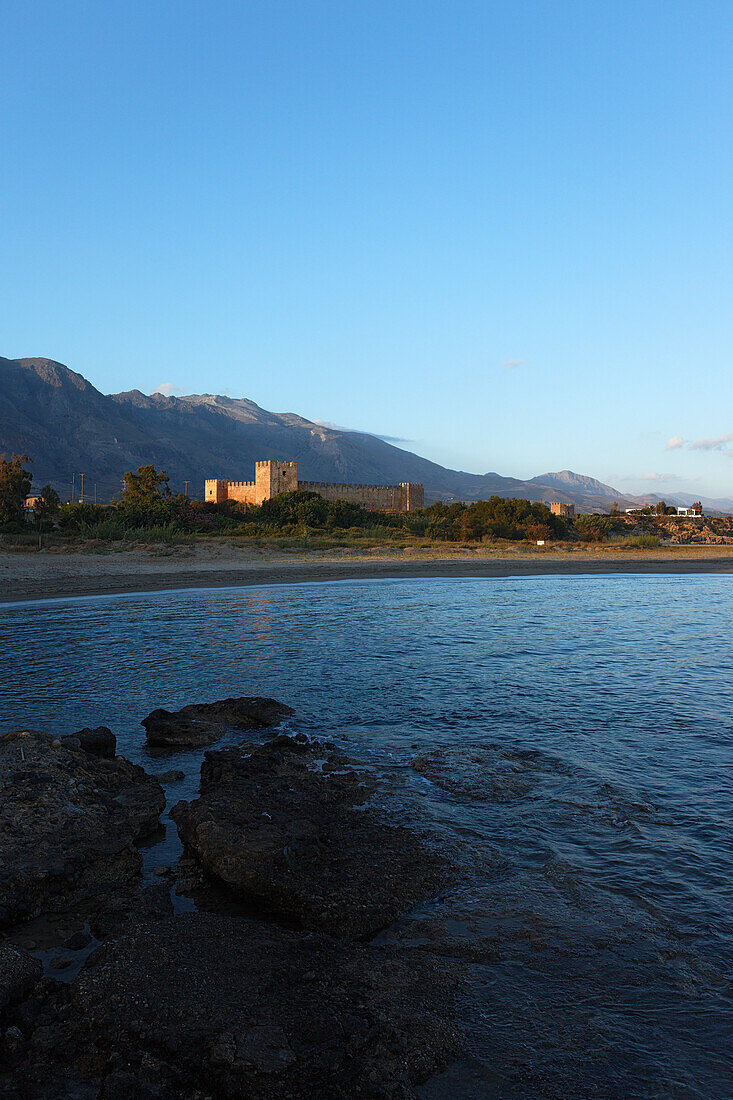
(285, 826)
(99, 741)
(68, 822)
(204, 723)
(205, 1005)
(140, 1003)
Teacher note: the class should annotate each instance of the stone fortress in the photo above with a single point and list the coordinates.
(274, 476)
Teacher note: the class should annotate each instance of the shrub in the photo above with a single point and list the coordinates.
(645, 542)
(73, 516)
(593, 528)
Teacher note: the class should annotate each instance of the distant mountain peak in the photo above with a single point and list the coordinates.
(567, 479)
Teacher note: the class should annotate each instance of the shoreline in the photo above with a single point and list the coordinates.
(32, 576)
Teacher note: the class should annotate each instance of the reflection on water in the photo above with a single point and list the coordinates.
(566, 740)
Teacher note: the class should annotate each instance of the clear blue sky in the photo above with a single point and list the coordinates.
(363, 211)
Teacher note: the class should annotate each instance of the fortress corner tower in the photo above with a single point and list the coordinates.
(273, 476)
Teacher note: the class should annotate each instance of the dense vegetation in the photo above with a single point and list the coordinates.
(148, 512)
(148, 505)
(495, 518)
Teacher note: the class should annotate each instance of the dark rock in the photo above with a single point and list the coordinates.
(122, 910)
(99, 741)
(288, 832)
(204, 723)
(12, 1047)
(208, 1005)
(27, 1014)
(19, 973)
(68, 822)
(45, 1038)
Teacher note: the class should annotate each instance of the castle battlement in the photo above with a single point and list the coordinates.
(311, 485)
(274, 476)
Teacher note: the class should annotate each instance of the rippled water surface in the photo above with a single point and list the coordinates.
(567, 740)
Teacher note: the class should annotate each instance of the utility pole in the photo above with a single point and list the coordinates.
(73, 488)
(82, 488)
(95, 493)
(185, 489)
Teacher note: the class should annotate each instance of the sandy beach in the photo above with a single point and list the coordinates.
(54, 573)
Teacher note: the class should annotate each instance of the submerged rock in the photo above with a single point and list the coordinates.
(207, 1005)
(285, 827)
(68, 822)
(174, 775)
(204, 723)
(489, 772)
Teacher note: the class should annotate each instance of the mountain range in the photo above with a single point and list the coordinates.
(68, 427)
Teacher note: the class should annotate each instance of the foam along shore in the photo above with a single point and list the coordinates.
(26, 575)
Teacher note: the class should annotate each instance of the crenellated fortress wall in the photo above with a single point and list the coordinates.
(375, 498)
(274, 476)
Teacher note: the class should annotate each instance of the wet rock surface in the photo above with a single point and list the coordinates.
(106, 993)
(68, 822)
(203, 723)
(286, 827)
(204, 1005)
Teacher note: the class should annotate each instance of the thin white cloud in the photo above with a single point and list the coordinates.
(333, 427)
(512, 364)
(717, 443)
(168, 389)
(721, 443)
(340, 428)
(659, 477)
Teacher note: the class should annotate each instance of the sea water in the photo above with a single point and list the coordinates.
(566, 741)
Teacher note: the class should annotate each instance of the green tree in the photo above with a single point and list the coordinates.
(47, 505)
(146, 499)
(145, 487)
(15, 485)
